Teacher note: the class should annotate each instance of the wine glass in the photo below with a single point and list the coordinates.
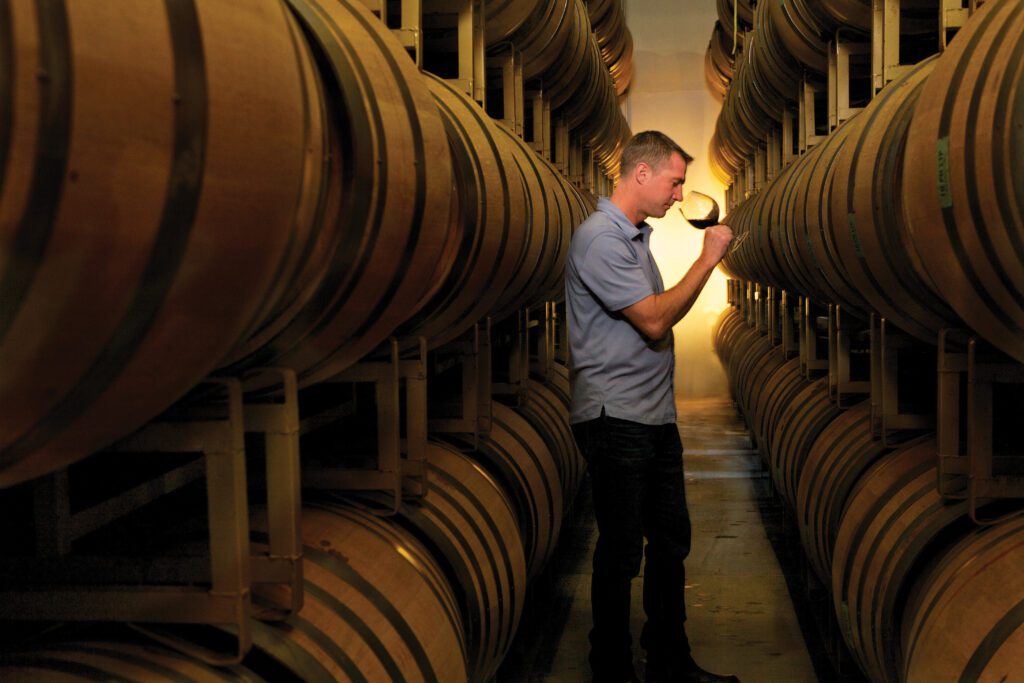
(699, 209)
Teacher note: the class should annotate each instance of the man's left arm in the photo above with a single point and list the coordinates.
(655, 315)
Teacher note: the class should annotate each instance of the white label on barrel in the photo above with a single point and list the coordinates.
(942, 158)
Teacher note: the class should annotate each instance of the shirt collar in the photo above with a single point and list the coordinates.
(632, 232)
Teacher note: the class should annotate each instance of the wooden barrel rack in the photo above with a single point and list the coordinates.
(270, 243)
(877, 278)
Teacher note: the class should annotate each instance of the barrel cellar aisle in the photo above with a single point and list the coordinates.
(284, 385)
(741, 614)
(741, 617)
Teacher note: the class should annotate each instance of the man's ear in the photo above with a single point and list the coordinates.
(642, 172)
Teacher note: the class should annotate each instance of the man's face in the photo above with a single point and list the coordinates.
(664, 186)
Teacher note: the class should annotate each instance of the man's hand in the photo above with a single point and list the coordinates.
(716, 243)
(655, 315)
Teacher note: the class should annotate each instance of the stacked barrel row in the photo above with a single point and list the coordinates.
(720, 58)
(719, 62)
(785, 44)
(568, 57)
(433, 592)
(613, 37)
(912, 210)
(919, 591)
(187, 190)
(289, 200)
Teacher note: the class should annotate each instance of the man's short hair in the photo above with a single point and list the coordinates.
(652, 147)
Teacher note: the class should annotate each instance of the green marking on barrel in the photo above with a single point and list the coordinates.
(810, 247)
(851, 218)
(942, 160)
(844, 621)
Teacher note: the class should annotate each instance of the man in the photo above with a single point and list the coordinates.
(620, 318)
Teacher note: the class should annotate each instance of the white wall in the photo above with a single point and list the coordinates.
(668, 93)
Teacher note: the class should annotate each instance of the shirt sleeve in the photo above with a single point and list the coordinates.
(611, 270)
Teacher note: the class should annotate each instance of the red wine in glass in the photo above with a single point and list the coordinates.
(701, 223)
(700, 210)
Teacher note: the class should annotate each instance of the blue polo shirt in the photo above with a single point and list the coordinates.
(612, 365)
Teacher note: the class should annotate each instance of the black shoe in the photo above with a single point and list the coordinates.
(685, 672)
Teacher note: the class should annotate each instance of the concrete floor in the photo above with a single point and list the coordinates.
(740, 616)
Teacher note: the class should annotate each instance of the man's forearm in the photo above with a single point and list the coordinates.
(655, 315)
(686, 291)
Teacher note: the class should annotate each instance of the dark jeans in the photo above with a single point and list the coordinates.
(636, 472)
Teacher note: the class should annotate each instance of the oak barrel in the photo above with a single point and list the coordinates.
(965, 618)
(544, 410)
(496, 223)
(504, 17)
(893, 520)
(800, 423)
(868, 232)
(377, 606)
(963, 182)
(393, 217)
(157, 176)
(468, 523)
(519, 459)
(128, 659)
(837, 461)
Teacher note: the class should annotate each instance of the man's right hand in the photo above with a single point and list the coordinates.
(716, 243)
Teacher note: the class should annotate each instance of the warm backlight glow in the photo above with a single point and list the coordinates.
(676, 245)
(669, 93)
